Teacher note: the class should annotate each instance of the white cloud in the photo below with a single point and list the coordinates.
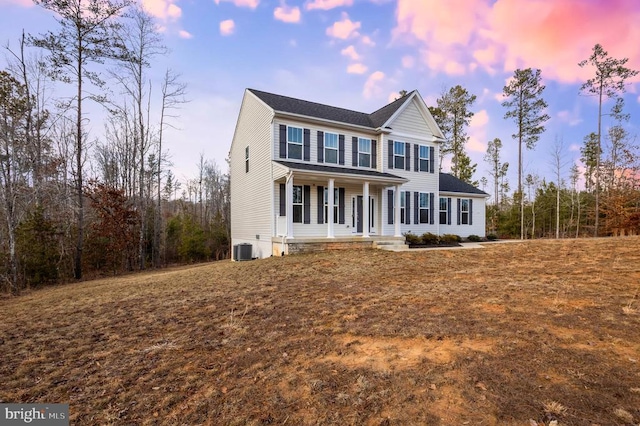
(327, 4)
(227, 27)
(252, 4)
(408, 61)
(357, 68)
(287, 14)
(574, 147)
(570, 117)
(366, 40)
(164, 10)
(478, 131)
(372, 85)
(351, 53)
(344, 29)
(185, 34)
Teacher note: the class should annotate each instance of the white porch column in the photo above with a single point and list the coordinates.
(365, 210)
(289, 205)
(330, 205)
(396, 219)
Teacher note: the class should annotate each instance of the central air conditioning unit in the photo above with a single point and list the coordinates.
(242, 251)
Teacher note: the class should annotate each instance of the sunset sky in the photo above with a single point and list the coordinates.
(358, 54)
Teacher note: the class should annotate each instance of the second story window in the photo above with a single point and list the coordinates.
(331, 148)
(364, 152)
(398, 155)
(423, 161)
(294, 143)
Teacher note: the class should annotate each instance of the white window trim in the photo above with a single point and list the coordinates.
(301, 203)
(404, 154)
(336, 204)
(420, 208)
(331, 148)
(364, 152)
(420, 157)
(301, 143)
(446, 210)
(463, 211)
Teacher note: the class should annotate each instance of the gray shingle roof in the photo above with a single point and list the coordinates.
(327, 112)
(333, 169)
(450, 183)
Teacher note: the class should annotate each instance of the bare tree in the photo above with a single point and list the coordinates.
(85, 36)
(558, 164)
(173, 95)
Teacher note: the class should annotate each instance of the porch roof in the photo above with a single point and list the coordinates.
(342, 173)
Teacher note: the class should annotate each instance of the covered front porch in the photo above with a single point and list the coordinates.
(330, 206)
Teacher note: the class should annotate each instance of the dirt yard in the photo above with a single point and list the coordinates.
(542, 332)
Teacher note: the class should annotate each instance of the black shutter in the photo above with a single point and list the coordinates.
(341, 207)
(307, 145)
(449, 211)
(431, 158)
(283, 141)
(320, 146)
(416, 154)
(407, 207)
(354, 151)
(341, 149)
(307, 204)
(320, 204)
(459, 211)
(470, 212)
(374, 154)
(416, 209)
(407, 159)
(283, 199)
(390, 206)
(431, 212)
(390, 154)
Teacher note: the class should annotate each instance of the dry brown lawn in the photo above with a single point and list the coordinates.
(543, 332)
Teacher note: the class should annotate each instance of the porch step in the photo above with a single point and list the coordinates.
(391, 245)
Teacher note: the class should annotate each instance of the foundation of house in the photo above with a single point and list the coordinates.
(285, 246)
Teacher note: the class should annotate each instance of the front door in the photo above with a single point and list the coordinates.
(358, 219)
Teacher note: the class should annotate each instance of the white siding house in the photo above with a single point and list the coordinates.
(308, 176)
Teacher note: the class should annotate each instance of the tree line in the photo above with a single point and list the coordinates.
(73, 204)
(609, 201)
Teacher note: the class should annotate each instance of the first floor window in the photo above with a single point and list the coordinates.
(297, 203)
(336, 204)
(331, 148)
(294, 143)
(444, 211)
(464, 211)
(403, 208)
(423, 205)
(364, 152)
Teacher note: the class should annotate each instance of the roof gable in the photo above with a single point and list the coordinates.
(450, 183)
(290, 105)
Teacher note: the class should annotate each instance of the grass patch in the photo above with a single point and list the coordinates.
(502, 335)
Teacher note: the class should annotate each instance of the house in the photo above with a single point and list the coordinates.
(307, 176)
